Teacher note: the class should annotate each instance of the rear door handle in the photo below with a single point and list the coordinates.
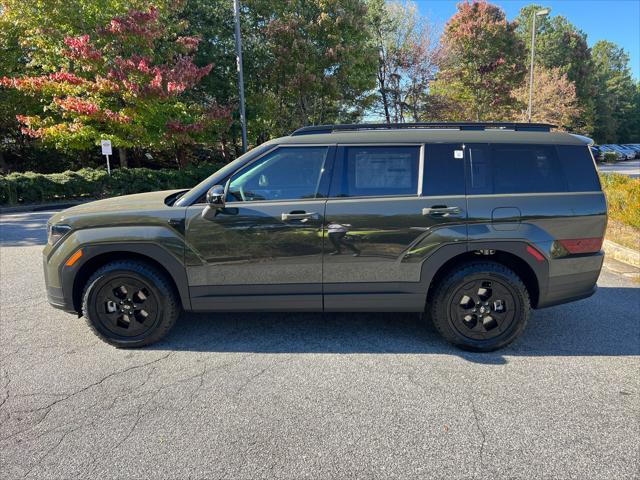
(300, 216)
(443, 211)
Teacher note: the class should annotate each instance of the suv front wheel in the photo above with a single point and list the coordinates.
(480, 306)
(130, 304)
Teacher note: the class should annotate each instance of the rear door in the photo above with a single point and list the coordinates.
(387, 212)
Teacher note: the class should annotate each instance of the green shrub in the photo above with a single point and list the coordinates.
(623, 198)
(609, 157)
(29, 187)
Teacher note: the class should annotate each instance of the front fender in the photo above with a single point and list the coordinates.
(163, 245)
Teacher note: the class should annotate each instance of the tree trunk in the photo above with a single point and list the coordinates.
(181, 157)
(3, 163)
(122, 153)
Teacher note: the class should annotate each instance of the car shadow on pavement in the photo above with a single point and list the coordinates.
(602, 325)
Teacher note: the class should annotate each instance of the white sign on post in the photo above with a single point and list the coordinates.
(106, 151)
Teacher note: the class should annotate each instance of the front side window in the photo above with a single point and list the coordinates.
(288, 173)
(376, 171)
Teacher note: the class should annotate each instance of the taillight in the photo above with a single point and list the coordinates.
(582, 245)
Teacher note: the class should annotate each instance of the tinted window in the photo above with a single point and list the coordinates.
(579, 168)
(376, 171)
(526, 169)
(286, 174)
(480, 177)
(515, 169)
(443, 172)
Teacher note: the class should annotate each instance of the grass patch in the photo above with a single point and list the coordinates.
(624, 235)
(623, 198)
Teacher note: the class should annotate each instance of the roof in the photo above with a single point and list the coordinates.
(434, 135)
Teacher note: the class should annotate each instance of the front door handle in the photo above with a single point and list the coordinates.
(300, 216)
(442, 211)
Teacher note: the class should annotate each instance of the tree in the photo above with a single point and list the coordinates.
(554, 99)
(483, 62)
(616, 94)
(560, 44)
(408, 57)
(318, 62)
(125, 83)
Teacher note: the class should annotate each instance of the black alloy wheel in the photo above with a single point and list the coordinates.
(480, 306)
(126, 306)
(130, 303)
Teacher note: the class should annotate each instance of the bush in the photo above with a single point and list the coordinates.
(29, 187)
(609, 157)
(623, 198)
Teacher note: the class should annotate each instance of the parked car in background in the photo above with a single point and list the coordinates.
(635, 147)
(607, 149)
(597, 153)
(627, 153)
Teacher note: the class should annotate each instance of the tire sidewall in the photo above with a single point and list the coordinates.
(106, 274)
(443, 313)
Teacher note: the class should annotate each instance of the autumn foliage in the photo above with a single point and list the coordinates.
(483, 62)
(125, 81)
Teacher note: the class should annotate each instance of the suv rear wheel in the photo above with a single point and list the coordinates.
(130, 304)
(480, 306)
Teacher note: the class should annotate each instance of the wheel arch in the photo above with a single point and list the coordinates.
(510, 254)
(97, 256)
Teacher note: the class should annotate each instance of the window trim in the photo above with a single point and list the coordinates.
(382, 145)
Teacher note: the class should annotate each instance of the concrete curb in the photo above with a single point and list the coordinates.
(38, 207)
(622, 254)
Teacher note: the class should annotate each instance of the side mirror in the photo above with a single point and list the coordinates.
(215, 201)
(215, 196)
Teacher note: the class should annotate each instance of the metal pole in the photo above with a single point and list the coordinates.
(108, 166)
(533, 47)
(243, 119)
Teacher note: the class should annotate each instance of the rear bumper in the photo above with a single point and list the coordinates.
(571, 279)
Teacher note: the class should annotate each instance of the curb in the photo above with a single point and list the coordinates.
(621, 254)
(38, 207)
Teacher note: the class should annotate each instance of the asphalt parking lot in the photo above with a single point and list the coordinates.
(313, 396)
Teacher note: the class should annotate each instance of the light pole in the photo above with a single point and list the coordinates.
(243, 118)
(540, 13)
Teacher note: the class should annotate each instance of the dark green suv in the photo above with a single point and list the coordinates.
(472, 223)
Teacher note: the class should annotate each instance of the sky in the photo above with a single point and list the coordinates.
(615, 20)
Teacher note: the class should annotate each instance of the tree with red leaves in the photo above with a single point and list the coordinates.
(125, 82)
(483, 63)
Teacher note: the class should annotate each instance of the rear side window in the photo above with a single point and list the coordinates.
(579, 168)
(505, 169)
(526, 169)
(443, 170)
(376, 171)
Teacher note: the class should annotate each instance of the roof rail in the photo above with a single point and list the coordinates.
(527, 127)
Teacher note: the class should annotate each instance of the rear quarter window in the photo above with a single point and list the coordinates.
(514, 168)
(580, 170)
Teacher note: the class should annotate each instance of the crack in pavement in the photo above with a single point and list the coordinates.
(49, 407)
(477, 425)
(48, 452)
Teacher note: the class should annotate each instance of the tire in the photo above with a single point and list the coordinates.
(139, 315)
(480, 306)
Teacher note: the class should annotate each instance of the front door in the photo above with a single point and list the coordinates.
(387, 212)
(263, 251)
